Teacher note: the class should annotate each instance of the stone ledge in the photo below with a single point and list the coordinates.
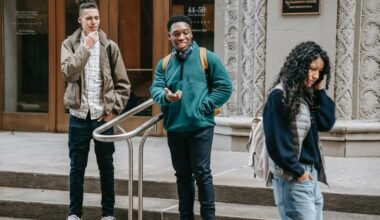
(231, 133)
(352, 138)
(235, 121)
(348, 138)
(356, 126)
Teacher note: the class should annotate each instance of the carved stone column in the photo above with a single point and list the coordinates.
(245, 40)
(244, 53)
(369, 78)
(231, 52)
(358, 137)
(345, 58)
(259, 57)
(248, 56)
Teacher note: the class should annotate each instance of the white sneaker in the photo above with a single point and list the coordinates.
(108, 218)
(73, 217)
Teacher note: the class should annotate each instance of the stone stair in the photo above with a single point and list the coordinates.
(47, 196)
(34, 184)
(7, 218)
(48, 203)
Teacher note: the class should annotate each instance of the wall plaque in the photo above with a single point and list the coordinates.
(300, 7)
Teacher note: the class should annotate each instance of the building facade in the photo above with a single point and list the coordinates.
(251, 36)
(257, 37)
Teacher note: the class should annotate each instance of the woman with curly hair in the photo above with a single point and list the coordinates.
(296, 109)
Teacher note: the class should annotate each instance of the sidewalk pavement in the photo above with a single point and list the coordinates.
(47, 153)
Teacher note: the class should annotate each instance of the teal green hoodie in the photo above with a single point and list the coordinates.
(196, 107)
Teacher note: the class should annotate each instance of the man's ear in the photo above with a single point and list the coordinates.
(169, 35)
(79, 20)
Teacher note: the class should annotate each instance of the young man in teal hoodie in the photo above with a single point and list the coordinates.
(189, 94)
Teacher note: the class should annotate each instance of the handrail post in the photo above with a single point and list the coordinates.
(130, 180)
(146, 127)
(141, 170)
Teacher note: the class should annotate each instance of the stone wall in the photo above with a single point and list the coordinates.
(256, 40)
(368, 82)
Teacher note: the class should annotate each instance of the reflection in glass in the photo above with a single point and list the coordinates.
(135, 42)
(26, 63)
(201, 13)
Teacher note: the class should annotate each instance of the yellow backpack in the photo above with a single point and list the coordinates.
(202, 54)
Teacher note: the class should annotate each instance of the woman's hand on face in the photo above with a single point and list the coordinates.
(319, 86)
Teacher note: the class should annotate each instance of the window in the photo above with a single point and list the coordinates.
(26, 63)
(201, 13)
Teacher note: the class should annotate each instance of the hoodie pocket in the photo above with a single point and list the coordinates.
(188, 107)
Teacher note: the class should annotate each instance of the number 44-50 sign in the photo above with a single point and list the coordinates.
(200, 10)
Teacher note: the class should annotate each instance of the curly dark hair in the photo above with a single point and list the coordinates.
(295, 71)
(178, 18)
(84, 4)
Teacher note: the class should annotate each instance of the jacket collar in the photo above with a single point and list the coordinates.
(74, 40)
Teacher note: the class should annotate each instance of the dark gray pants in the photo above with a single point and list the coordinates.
(191, 153)
(80, 135)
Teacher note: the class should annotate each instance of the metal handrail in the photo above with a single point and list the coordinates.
(147, 127)
(139, 70)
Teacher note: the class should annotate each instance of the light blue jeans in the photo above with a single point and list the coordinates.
(298, 200)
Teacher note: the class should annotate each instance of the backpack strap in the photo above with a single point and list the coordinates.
(165, 62)
(109, 53)
(203, 55)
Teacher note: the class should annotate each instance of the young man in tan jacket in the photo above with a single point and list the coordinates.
(98, 88)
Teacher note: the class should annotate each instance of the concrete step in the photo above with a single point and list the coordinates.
(9, 218)
(40, 160)
(18, 202)
(53, 204)
(254, 195)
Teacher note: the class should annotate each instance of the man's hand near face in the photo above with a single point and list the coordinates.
(91, 39)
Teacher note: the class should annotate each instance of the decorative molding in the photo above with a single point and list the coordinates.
(369, 78)
(259, 57)
(345, 58)
(247, 53)
(247, 62)
(231, 55)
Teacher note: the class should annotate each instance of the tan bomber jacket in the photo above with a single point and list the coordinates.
(74, 56)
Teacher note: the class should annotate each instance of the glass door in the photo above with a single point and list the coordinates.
(135, 23)
(201, 13)
(31, 33)
(26, 65)
(140, 32)
(67, 14)
(131, 25)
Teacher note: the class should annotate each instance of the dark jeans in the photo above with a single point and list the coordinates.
(80, 135)
(191, 153)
